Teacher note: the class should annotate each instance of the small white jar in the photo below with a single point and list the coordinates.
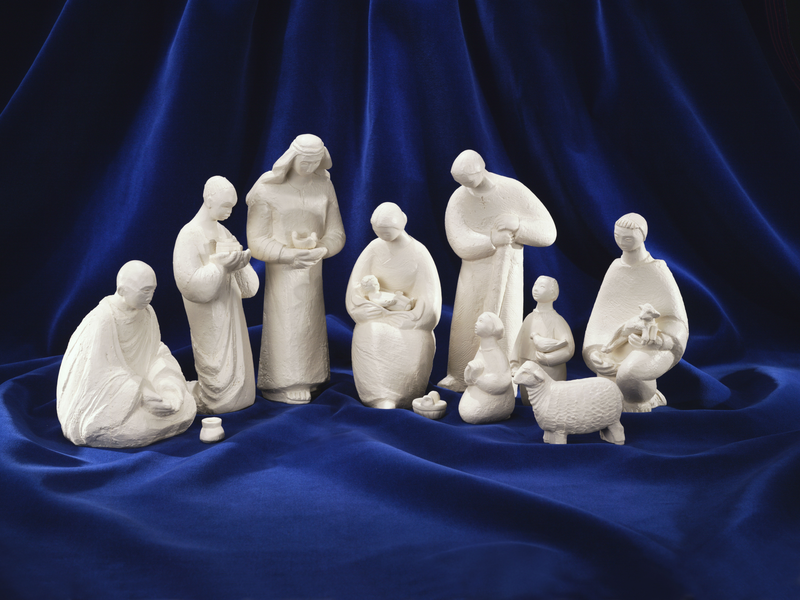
(212, 430)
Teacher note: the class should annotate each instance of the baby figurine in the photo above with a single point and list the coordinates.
(390, 301)
(643, 325)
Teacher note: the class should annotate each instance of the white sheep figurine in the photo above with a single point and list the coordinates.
(563, 408)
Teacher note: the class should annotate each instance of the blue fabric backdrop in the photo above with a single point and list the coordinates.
(115, 114)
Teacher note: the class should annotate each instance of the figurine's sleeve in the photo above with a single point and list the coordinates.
(536, 226)
(517, 355)
(360, 269)
(196, 282)
(247, 279)
(95, 389)
(334, 237)
(427, 290)
(260, 240)
(467, 243)
(562, 332)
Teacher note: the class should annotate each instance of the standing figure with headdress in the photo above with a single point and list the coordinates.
(293, 222)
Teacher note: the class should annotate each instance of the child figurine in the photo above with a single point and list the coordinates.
(545, 337)
(489, 396)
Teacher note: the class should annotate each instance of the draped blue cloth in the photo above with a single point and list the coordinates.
(114, 114)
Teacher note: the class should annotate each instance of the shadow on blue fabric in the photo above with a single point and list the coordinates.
(115, 114)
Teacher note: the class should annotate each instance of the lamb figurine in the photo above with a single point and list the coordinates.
(644, 325)
(563, 408)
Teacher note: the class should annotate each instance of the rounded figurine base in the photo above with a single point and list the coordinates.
(212, 430)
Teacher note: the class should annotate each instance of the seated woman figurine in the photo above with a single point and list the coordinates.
(545, 337)
(634, 282)
(393, 349)
(489, 396)
(119, 386)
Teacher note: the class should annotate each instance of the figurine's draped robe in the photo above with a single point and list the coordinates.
(294, 343)
(469, 222)
(548, 324)
(110, 358)
(394, 364)
(624, 289)
(213, 301)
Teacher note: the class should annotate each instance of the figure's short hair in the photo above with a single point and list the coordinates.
(633, 221)
(550, 279)
(216, 184)
(132, 271)
(497, 330)
(465, 160)
(388, 214)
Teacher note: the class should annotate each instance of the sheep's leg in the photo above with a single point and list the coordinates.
(555, 437)
(614, 434)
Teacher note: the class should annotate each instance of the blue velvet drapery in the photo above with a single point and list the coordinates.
(115, 114)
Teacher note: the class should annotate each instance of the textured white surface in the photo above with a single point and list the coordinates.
(489, 396)
(118, 385)
(488, 221)
(392, 349)
(632, 281)
(294, 203)
(562, 408)
(213, 273)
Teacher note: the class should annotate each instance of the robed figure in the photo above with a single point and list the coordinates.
(213, 274)
(633, 280)
(488, 221)
(293, 222)
(393, 341)
(119, 386)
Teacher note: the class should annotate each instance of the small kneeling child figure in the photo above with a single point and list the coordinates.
(489, 396)
(545, 337)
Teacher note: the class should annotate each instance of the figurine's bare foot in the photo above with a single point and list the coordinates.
(298, 395)
(614, 434)
(658, 399)
(451, 383)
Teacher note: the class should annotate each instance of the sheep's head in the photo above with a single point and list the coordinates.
(648, 313)
(530, 375)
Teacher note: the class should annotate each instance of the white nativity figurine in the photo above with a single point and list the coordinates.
(564, 408)
(393, 347)
(213, 274)
(545, 337)
(430, 406)
(119, 386)
(371, 289)
(638, 328)
(293, 222)
(488, 221)
(489, 396)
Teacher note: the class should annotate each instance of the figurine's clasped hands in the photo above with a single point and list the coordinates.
(473, 371)
(303, 259)
(231, 261)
